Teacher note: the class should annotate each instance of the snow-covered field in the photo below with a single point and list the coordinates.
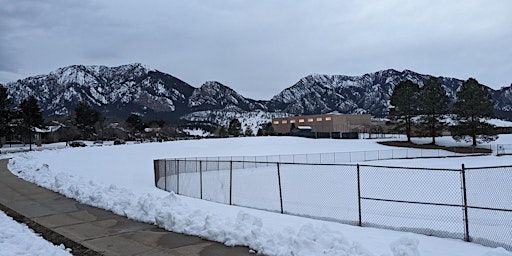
(17, 239)
(120, 178)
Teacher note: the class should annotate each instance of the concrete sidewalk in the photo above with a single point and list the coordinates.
(96, 229)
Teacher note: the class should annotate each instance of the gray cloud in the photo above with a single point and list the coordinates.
(260, 47)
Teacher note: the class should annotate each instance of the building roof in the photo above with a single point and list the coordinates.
(155, 129)
(319, 115)
(48, 129)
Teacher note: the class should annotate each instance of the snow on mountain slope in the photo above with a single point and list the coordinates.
(368, 93)
(251, 119)
(131, 87)
(118, 91)
(214, 95)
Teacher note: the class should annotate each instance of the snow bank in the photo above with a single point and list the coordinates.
(405, 246)
(173, 213)
(498, 252)
(17, 239)
(450, 142)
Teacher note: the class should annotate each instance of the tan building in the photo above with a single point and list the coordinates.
(326, 125)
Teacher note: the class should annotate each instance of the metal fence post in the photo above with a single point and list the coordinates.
(165, 173)
(156, 170)
(360, 222)
(178, 177)
(465, 198)
(201, 179)
(280, 191)
(230, 182)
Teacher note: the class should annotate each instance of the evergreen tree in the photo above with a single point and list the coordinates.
(433, 106)
(235, 128)
(222, 132)
(473, 106)
(260, 132)
(135, 123)
(5, 113)
(266, 129)
(248, 132)
(292, 128)
(32, 116)
(86, 118)
(404, 106)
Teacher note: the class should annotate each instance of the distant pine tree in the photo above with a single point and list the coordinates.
(135, 123)
(267, 129)
(248, 132)
(292, 128)
(32, 116)
(222, 132)
(86, 118)
(5, 113)
(235, 128)
(473, 106)
(433, 107)
(404, 106)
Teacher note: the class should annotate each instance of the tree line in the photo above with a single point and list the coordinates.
(28, 115)
(18, 122)
(428, 110)
(21, 121)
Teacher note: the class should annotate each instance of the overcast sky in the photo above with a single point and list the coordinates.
(260, 47)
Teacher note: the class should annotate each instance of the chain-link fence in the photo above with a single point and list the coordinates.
(466, 203)
(503, 149)
(341, 157)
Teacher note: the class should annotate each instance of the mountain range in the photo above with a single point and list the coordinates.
(135, 88)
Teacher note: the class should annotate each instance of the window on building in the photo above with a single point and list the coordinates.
(292, 121)
(301, 120)
(319, 119)
(276, 122)
(285, 122)
(310, 119)
(328, 118)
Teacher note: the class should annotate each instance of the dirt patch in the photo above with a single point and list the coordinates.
(49, 235)
(461, 150)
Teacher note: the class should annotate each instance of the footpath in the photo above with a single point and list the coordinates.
(92, 231)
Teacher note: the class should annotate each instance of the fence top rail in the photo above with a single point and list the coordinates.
(251, 162)
(317, 164)
(323, 153)
(412, 168)
(488, 167)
